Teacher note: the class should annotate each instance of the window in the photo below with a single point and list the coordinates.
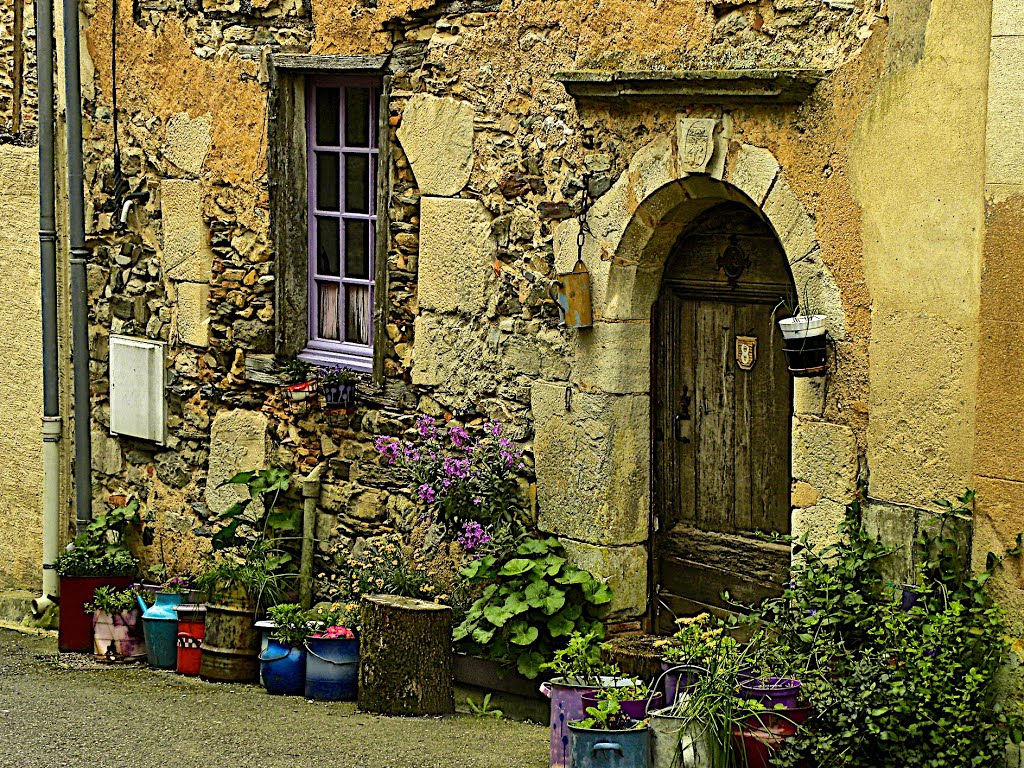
(341, 170)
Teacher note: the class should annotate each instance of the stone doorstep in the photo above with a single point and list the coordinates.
(16, 613)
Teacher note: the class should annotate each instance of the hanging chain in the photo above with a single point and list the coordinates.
(581, 217)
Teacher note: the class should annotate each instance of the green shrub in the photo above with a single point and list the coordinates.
(533, 599)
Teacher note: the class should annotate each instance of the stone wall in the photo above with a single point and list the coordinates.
(488, 157)
(18, 99)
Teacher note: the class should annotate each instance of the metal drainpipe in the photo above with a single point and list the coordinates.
(79, 257)
(52, 426)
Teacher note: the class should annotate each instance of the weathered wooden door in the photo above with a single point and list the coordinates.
(721, 432)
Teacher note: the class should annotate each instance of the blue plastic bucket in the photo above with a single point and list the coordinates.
(608, 749)
(283, 669)
(332, 669)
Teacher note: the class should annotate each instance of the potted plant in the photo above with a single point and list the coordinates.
(338, 386)
(99, 556)
(578, 670)
(694, 646)
(300, 382)
(634, 700)
(283, 662)
(246, 575)
(117, 625)
(805, 343)
(332, 653)
(608, 732)
(160, 623)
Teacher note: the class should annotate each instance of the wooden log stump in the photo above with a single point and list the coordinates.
(405, 656)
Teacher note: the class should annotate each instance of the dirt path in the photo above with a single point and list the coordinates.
(66, 710)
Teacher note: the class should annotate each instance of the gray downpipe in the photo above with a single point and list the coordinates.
(79, 258)
(52, 427)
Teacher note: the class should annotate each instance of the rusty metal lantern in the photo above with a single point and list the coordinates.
(575, 309)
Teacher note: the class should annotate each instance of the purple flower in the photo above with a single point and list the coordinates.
(427, 493)
(425, 426)
(459, 436)
(456, 467)
(477, 500)
(388, 447)
(494, 428)
(410, 452)
(473, 535)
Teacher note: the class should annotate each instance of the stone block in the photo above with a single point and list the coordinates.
(18, 174)
(825, 457)
(998, 518)
(187, 255)
(1005, 136)
(456, 255)
(809, 396)
(437, 136)
(1007, 18)
(804, 495)
(107, 458)
(239, 442)
(755, 171)
(999, 450)
(625, 570)
(193, 314)
(593, 464)
(795, 227)
(188, 142)
(820, 522)
(614, 358)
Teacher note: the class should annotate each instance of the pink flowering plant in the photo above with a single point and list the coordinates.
(467, 482)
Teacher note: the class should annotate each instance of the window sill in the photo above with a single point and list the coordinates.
(362, 363)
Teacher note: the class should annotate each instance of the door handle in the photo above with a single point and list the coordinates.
(682, 416)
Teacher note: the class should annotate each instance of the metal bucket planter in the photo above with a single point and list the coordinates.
(678, 742)
(332, 669)
(566, 707)
(283, 669)
(118, 637)
(805, 343)
(75, 623)
(160, 623)
(593, 748)
(191, 630)
(677, 678)
(232, 644)
(339, 395)
(759, 736)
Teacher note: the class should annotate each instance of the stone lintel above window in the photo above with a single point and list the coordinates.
(704, 86)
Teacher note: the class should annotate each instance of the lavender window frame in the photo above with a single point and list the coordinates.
(341, 351)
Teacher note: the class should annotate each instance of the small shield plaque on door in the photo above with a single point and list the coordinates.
(746, 352)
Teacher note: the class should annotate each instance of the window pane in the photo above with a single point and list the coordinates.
(328, 246)
(357, 183)
(327, 102)
(327, 310)
(357, 248)
(327, 173)
(357, 117)
(357, 314)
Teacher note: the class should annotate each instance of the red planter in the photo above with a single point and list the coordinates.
(759, 737)
(75, 625)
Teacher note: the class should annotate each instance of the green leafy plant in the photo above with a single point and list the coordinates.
(484, 708)
(291, 623)
(102, 548)
(608, 716)
(532, 601)
(113, 601)
(699, 640)
(893, 688)
(579, 662)
(296, 371)
(250, 577)
(258, 515)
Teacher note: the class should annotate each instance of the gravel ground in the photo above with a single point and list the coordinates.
(68, 710)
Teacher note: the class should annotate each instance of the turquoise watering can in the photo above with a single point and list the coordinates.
(160, 623)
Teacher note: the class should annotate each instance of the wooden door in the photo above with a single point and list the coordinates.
(721, 434)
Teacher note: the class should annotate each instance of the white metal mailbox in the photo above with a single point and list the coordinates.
(138, 407)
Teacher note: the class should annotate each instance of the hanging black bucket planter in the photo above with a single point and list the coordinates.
(805, 342)
(338, 387)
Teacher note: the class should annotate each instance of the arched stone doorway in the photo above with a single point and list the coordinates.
(721, 409)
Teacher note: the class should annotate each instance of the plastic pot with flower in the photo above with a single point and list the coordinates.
(607, 736)
(696, 644)
(117, 624)
(283, 661)
(332, 653)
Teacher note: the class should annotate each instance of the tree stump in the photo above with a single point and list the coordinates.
(405, 656)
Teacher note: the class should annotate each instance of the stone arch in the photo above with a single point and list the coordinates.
(592, 441)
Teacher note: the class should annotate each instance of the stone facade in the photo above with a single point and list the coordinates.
(897, 228)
